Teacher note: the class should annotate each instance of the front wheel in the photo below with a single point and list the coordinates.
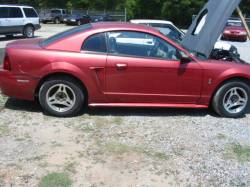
(232, 99)
(61, 97)
(56, 21)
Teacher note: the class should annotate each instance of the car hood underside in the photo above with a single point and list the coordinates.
(208, 25)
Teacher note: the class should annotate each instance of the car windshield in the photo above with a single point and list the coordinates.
(55, 11)
(64, 34)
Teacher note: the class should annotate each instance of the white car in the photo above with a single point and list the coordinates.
(16, 19)
(222, 50)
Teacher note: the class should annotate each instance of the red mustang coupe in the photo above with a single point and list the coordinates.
(235, 31)
(125, 65)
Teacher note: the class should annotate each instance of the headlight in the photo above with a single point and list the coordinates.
(227, 32)
(72, 20)
(243, 33)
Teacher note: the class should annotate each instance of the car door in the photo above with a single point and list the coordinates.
(16, 20)
(4, 22)
(142, 68)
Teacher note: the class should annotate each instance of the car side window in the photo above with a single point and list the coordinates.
(140, 44)
(4, 12)
(15, 12)
(95, 43)
(30, 13)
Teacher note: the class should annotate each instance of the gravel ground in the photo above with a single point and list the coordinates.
(129, 147)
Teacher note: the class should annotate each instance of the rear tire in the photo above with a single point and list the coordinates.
(9, 36)
(28, 31)
(61, 97)
(232, 100)
(56, 21)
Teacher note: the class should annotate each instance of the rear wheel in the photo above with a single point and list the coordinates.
(78, 22)
(61, 97)
(232, 99)
(28, 31)
(56, 21)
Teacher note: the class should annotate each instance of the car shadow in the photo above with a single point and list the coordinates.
(4, 39)
(31, 106)
(23, 105)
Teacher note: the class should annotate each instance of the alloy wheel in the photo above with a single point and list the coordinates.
(235, 100)
(60, 98)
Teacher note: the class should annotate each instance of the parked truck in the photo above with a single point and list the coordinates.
(53, 15)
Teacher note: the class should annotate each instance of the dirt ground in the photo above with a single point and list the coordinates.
(123, 147)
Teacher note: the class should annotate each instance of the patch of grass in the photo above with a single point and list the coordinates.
(70, 167)
(4, 130)
(120, 149)
(239, 152)
(221, 136)
(87, 128)
(36, 158)
(55, 180)
(117, 120)
(56, 144)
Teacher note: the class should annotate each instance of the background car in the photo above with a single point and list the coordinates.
(234, 30)
(56, 15)
(100, 18)
(18, 20)
(77, 19)
(222, 50)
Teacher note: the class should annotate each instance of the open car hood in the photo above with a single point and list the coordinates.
(208, 25)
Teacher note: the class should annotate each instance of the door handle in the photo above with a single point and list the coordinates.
(121, 66)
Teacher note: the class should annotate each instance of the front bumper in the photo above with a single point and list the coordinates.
(234, 36)
(17, 86)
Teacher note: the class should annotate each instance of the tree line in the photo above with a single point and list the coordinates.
(178, 11)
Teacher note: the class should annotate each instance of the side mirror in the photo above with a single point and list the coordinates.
(184, 58)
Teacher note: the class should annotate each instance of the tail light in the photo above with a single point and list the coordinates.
(6, 63)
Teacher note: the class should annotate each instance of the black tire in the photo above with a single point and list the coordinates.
(220, 95)
(28, 31)
(44, 22)
(78, 23)
(73, 85)
(9, 36)
(56, 21)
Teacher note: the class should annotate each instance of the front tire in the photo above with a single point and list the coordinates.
(232, 100)
(61, 97)
(79, 23)
(56, 21)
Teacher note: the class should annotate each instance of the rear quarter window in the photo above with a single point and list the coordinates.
(95, 43)
(30, 13)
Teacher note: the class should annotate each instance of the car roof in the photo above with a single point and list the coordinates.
(137, 21)
(13, 5)
(121, 25)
